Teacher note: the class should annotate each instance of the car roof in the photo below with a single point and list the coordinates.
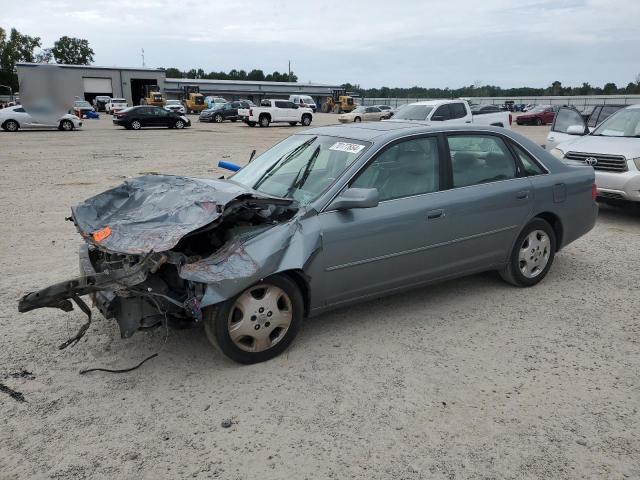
(388, 130)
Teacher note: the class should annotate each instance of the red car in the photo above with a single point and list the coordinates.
(540, 115)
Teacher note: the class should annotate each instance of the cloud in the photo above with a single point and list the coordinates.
(371, 42)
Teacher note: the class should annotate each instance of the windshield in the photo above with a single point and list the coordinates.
(300, 167)
(623, 123)
(413, 112)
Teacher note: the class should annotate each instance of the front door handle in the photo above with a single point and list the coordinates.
(433, 214)
(522, 194)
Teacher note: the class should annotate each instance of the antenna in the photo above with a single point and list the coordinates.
(143, 65)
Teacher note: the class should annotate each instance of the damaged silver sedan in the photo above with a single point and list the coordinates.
(328, 217)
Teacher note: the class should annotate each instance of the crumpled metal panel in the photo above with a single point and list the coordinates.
(153, 212)
(247, 258)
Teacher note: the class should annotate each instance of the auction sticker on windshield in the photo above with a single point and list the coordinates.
(346, 147)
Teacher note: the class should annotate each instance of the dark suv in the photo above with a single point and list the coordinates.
(135, 118)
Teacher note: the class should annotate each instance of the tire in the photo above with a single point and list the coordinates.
(179, 124)
(264, 121)
(254, 329)
(135, 125)
(11, 126)
(218, 118)
(306, 120)
(530, 261)
(234, 120)
(538, 121)
(251, 124)
(66, 125)
(293, 124)
(357, 119)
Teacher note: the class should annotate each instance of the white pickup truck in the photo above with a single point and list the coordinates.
(450, 112)
(272, 111)
(115, 105)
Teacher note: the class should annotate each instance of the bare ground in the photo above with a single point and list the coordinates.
(468, 379)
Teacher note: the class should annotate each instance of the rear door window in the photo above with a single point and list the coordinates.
(442, 111)
(457, 110)
(477, 159)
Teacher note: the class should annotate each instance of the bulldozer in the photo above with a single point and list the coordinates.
(153, 96)
(192, 99)
(339, 102)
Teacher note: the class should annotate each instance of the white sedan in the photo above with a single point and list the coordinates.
(175, 106)
(14, 118)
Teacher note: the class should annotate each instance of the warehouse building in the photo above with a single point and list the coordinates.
(87, 82)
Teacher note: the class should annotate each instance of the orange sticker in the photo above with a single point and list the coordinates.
(101, 234)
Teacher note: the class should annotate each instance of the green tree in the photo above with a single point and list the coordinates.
(173, 72)
(44, 56)
(610, 89)
(72, 51)
(257, 75)
(13, 49)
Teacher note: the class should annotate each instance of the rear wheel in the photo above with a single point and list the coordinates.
(532, 254)
(264, 121)
(538, 121)
(306, 120)
(11, 126)
(136, 125)
(259, 323)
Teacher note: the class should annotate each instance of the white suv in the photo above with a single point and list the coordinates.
(612, 149)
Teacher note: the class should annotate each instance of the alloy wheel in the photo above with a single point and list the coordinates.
(260, 318)
(534, 254)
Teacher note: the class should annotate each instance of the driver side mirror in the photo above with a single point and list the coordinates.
(356, 198)
(576, 130)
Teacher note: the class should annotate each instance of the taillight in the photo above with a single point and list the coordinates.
(251, 112)
(594, 191)
(510, 119)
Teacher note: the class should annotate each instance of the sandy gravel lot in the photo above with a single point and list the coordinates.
(467, 379)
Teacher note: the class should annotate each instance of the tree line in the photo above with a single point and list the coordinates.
(556, 88)
(233, 74)
(17, 47)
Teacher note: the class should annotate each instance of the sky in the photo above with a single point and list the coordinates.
(402, 43)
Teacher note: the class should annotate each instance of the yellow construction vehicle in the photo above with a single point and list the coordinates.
(339, 102)
(192, 99)
(153, 96)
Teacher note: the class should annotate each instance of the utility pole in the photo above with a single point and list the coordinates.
(289, 77)
(143, 65)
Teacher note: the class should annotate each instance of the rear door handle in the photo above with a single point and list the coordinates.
(433, 214)
(522, 194)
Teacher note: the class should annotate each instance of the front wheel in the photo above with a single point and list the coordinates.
(538, 121)
(217, 118)
(136, 125)
(357, 119)
(306, 120)
(66, 125)
(179, 124)
(532, 254)
(11, 126)
(259, 323)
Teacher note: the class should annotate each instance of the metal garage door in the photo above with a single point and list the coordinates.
(97, 85)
